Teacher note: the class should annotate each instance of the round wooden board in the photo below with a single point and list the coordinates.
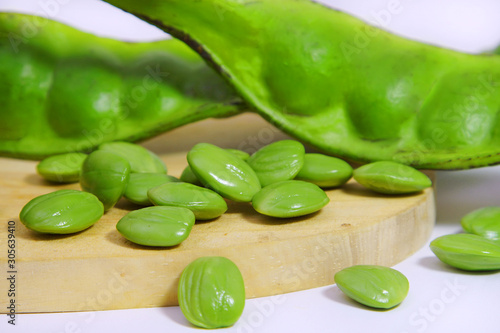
(98, 269)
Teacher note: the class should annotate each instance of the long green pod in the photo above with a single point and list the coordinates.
(341, 85)
(64, 90)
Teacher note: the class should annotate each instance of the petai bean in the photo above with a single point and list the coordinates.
(188, 176)
(391, 178)
(467, 252)
(105, 175)
(240, 153)
(64, 90)
(483, 222)
(223, 172)
(62, 212)
(140, 159)
(278, 161)
(374, 286)
(64, 168)
(204, 203)
(157, 226)
(289, 198)
(324, 171)
(211, 292)
(139, 184)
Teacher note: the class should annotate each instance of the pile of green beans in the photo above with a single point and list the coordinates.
(280, 180)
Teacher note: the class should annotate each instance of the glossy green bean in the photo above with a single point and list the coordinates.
(105, 175)
(278, 161)
(140, 159)
(467, 251)
(483, 222)
(211, 292)
(204, 203)
(391, 178)
(64, 168)
(374, 286)
(140, 183)
(62, 212)
(324, 171)
(289, 198)
(157, 226)
(223, 172)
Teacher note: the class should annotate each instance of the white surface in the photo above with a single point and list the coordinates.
(441, 299)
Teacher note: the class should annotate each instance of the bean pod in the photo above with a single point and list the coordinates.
(391, 99)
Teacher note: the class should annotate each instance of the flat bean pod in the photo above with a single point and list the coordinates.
(391, 99)
(64, 90)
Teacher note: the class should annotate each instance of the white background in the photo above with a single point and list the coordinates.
(441, 299)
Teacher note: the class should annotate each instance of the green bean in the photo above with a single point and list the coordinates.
(374, 286)
(289, 198)
(223, 172)
(391, 178)
(64, 168)
(204, 203)
(140, 159)
(467, 252)
(211, 292)
(105, 175)
(240, 153)
(139, 184)
(62, 212)
(483, 222)
(157, 226)
(324, 171)
(188, 176)
(278, 161)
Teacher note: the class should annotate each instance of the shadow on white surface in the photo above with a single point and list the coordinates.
(336, 295)
(174, 313)
(433, 263)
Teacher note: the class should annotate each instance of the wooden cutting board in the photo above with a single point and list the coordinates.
(98, 269)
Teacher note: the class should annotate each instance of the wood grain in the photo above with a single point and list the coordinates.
(97, 269)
